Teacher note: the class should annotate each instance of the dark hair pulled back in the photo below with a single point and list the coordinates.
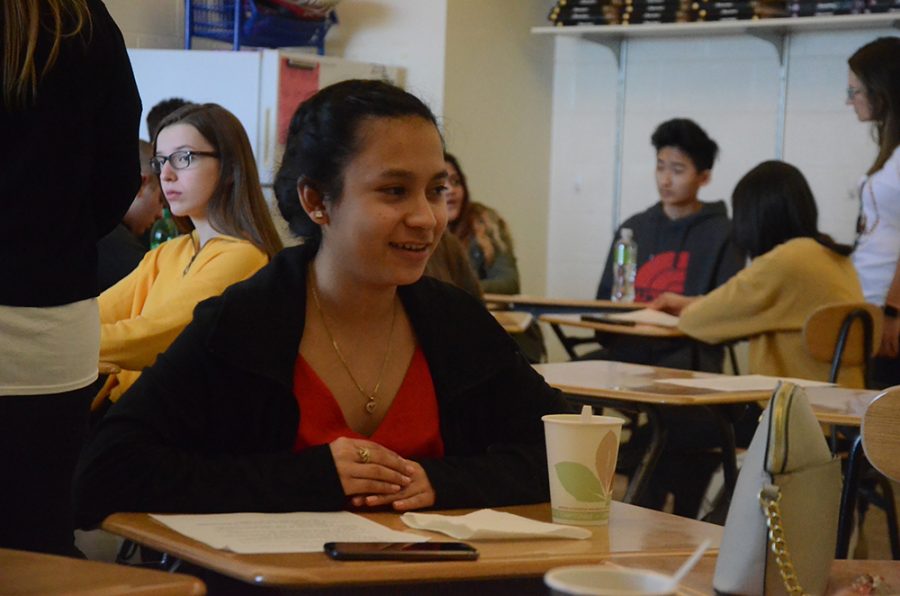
(323, 138)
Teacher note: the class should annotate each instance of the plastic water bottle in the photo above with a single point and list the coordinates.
(624, 267)
(163, 229)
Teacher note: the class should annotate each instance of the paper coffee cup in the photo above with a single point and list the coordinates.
(581, 462)
(598, 580)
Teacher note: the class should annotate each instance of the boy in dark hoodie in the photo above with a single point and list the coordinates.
(684, 246)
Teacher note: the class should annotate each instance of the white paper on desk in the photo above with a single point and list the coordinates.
(645, 316)
(302, 532)
(740, 382)
(487, 524)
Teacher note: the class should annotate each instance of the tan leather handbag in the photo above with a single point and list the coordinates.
(781, 527)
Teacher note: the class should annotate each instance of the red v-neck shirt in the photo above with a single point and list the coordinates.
(411, 426)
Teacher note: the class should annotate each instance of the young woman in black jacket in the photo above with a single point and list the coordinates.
(337, 376)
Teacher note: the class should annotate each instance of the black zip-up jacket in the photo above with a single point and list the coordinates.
(211, 426)
(68, 167)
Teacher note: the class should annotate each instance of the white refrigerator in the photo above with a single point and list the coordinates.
(261, 87)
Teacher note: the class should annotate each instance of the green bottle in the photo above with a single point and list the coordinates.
(163, 229)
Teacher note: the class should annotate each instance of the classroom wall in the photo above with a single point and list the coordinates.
(396, 33)
(729, 85)
(391, 32)
(473, 61)
(497, 107)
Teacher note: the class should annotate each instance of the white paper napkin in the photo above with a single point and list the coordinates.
(487, 524)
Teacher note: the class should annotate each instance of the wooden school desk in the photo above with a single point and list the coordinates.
(841, 406)
(513, 321)
(631, 531)
(541, 306)
(642, 330)
(34, 573)
(108, 368)
(558, 321)
(607, 383)
(612, 384)
(538, 305)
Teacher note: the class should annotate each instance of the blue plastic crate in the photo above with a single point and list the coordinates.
(242, 22)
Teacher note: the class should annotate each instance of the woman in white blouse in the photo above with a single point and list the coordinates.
(874, 92)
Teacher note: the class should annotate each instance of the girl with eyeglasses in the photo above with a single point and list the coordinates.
(208, 176)
(874, 92)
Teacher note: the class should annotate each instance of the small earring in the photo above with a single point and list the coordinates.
(318, 214)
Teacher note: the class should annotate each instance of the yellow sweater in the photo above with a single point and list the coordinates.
(143, 314)
(769, 301)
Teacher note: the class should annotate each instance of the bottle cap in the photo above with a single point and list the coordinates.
(626, 233)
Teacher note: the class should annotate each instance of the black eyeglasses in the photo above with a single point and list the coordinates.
(178, 160)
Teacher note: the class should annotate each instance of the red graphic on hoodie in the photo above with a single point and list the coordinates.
(661, 274)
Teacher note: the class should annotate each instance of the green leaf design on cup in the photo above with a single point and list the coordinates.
(605, 459)
(580, 482)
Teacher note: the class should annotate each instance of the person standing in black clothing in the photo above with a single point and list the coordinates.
(69, 112)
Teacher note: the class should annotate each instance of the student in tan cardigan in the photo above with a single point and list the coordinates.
(795, 269)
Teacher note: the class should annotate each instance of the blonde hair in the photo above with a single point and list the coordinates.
(24, 21)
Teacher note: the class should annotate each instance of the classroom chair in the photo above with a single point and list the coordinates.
(844, 333)
(876, 447)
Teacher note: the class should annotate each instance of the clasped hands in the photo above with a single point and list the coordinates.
(374, 476)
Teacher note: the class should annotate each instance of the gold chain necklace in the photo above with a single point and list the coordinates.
(370, 397)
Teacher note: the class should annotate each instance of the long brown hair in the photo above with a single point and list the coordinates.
(461, 227)
(237, 206)
(25, 23)
(877, 66)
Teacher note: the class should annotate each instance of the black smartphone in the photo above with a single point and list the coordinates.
(606, 319)
(401, 551)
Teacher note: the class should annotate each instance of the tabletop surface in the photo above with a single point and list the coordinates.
(513, 321)
(531, 300)
(34, 573)
(632, 531)
(635, 382)
(643, 330)
(839, 405)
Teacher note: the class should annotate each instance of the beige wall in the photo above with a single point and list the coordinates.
(403, 33)
(497, 104)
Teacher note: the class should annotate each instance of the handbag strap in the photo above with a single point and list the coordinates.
(770, 501)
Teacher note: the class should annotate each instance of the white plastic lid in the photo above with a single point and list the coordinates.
(626, 233)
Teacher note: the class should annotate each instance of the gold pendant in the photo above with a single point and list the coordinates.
(370, 407)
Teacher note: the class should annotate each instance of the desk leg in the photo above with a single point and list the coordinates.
(729, 452)
(637, 485)
(855, 464)
(567, 342)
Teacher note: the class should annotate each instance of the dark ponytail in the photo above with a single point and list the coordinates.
(322, 139)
